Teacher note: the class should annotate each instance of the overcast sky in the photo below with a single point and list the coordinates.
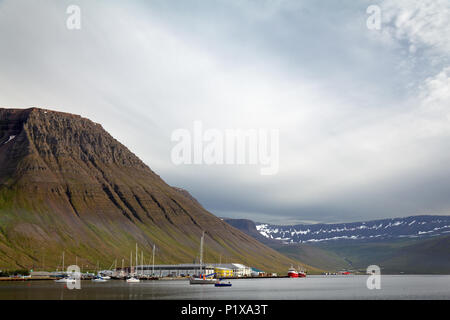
(363, 114)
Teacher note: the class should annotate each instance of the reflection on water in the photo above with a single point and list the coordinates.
(313, 287)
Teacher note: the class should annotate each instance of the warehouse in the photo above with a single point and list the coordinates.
(182, 270)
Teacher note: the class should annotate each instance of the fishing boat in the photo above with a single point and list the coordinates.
(292, 273)
(301, 272)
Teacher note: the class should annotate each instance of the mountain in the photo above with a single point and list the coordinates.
(413, 256)
(309, 254)
(395, 228)
(66, 184)
(415, 245)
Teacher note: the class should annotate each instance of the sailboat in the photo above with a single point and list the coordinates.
(65, 278)
(202, 279)
(133, 279)
(99, 279)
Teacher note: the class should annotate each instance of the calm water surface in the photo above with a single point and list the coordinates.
(312, 287)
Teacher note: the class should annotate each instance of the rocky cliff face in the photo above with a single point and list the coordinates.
(66, 184)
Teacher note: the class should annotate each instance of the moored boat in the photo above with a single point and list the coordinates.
(202, 280)
(66, 280)
(133, 280)
(99, 279)
(292, 273)
(222, 284)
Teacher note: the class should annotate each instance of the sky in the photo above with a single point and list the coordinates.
(362, 113)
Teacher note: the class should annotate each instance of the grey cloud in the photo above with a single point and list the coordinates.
(359, 137)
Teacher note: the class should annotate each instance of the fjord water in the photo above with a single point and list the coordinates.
(434, 287)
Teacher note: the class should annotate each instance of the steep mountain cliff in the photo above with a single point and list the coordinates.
(66, 184)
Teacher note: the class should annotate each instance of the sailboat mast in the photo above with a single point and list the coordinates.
(153, 261)
(142, 262)
(131, 260)
(136, 256)
(63, 262)
(201, 252)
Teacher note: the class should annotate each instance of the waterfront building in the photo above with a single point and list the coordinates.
(185, 270)
(223, 272)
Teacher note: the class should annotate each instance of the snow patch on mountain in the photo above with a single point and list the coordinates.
(409, 227)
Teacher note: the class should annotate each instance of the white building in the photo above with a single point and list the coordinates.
(239, 270)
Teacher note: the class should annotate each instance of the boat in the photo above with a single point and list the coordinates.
(202, 279)
(301, 273)
(133, 280)
(292, 273)
(222, 284)
(99, 279)
(66, 280)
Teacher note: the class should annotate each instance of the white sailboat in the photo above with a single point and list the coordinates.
(153, 260)
(202, 279)
(133, 279)
(65, 278)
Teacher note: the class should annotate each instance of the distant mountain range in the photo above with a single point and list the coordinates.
(66, 184)
(416, 245)
(384, 229)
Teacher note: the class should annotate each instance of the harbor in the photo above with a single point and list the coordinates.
(312, 287)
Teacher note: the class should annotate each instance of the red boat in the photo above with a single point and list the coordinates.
(292, 273)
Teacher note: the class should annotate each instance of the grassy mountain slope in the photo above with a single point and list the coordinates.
(66, 184)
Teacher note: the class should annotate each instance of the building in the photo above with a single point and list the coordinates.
(256, 272)
(223, 272)
(184, 270)
(239, 270)
(173, 270)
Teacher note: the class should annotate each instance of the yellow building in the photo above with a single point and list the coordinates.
(223, 272)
